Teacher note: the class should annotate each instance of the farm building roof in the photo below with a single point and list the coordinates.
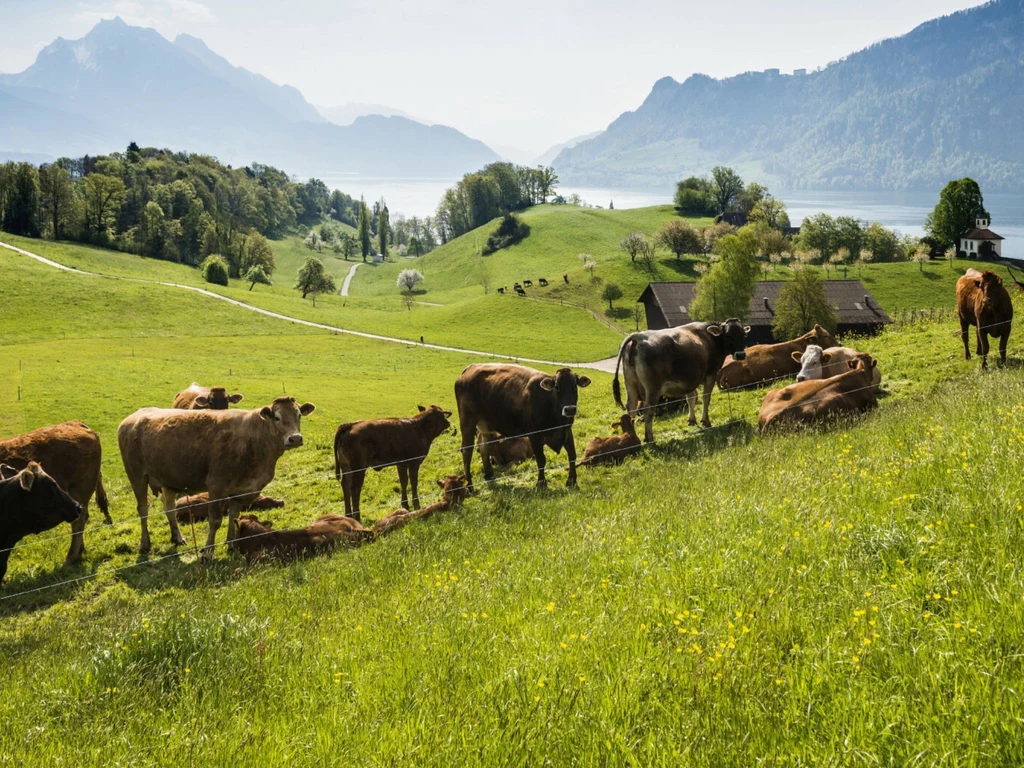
(854, 304)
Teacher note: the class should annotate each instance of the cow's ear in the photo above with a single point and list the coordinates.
(7, 472)
(422, 409)
(854, 362)
(874, 363)
(582, 381)
(797, 357)
(447, 414)
(825, 358)
(547, 383)
(235, 398)
(746, 329)
(306, 408)
(267, 413)
(26, 478)
(715, 330)
(440, 482)
(202, 401)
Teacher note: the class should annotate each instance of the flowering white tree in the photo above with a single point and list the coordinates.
(408, 279)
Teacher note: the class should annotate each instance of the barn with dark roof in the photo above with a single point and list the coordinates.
(667, 305)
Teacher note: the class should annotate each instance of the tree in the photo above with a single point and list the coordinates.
(257, 252)
(349, 246)
(709, 236)
(104, 196)
(865, 258)
(408, 279)
(415, 247)
(56, 198)
(257, 274)
(771, 211)
(546, 182)
(922, 255)
(881, 241)
(314, 241)
(313, 279)
(215, 270)
(802, 303)
(646, 255)
(638, 314)
(693, 197)
(611, 293)
(151, 230)
(383, 229)
(725, 291)
(19, 200)
(751, 196)
(679, 237)
(589, 264)
(364, 229)
(950, 256)
(819, 233)
(726, 186)
(633, 243)
(960, 204)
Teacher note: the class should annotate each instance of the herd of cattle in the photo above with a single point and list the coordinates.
(520, 288)
(202, 458)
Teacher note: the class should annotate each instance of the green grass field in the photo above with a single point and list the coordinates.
(836, 596)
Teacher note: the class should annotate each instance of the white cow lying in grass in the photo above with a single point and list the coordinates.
(818, 363)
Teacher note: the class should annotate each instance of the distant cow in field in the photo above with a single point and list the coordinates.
(818, 363)
(380, 443)
(983, 302)
(815, 400)
(566, 278)
(71, 454)
(674, 362)
(528, 283)
(520, 291)
(196, 508)
(767, 362)
(496, 450)
(197, 398)
(502, 289)
(614, 449)
(543, 283)
(30, 502)
(514, 400)
(230, 454)
(257, 539)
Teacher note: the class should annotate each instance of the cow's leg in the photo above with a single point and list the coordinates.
(570, 452)
(142, 505)
(537, 441)
(467, 425)
(172, 516)
(691, 406)
(709, 384)
(77, 538)
(403, 481)
(5, 553)
(488, 465)
(983, 348)
(414, 479)
(216, 514)
(234, 507)
(964, 328)
(358, 476)
(1002, 347)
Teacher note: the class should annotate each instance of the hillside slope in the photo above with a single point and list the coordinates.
(906, 113)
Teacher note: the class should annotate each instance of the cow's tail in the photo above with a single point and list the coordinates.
(342, 431)
(101, 499)
(1014, 278)
(628, 349)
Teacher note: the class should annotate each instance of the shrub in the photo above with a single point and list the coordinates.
(511, 231)
(215, 270)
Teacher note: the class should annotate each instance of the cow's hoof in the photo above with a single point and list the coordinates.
(571, 484)
(706, 424)
(144, 548)
(178, 542)
(206, 554)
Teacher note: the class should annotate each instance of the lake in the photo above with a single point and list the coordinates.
(904, 211)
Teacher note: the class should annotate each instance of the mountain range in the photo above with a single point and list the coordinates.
(944, 101)
(121, 83)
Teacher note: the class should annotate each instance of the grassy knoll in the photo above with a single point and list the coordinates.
(837, 596)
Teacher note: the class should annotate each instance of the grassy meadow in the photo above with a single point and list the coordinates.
(841, 596)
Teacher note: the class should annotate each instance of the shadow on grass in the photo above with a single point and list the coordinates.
(618, 313)
(683, 267)
(704, 442)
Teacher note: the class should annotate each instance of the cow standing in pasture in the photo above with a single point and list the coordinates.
(818, 399)
(543, 283)
(767, 362)
(517, 401)
(502, 289)
(71, 454)
(30, 502)
(379, 443)
(197, 398)
(519, 290)
(818, 363)
(528, 283)
(231, 454)
(674, 362)
(614, 449)
(983, 302)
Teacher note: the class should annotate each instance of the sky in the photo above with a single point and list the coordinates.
(521, 76)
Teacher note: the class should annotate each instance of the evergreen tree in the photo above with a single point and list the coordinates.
(383, 228)
(364, 228)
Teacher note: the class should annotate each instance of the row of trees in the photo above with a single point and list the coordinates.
(724, 192)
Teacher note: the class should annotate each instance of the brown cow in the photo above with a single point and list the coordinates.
(196, 508)
(197, 398)
(257, 538)
(614, 449)
(231, 454)
(518, 401)
(499, 451)
(983, 302)
(818, 363)
(765, 362)
(817, 399)
(380, 443)
(70, 453)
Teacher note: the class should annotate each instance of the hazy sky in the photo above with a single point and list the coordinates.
(524, 74)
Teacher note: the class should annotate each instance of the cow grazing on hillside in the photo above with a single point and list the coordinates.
(196, 508)
(674, 362)
(614, 449)
(30, 502)
(514, 400)
(257, 539)
(197, 398)
(818, 363)
(230, 454)
(379, 443)
(71, 454)
(519, 290)
(767, 362)
(502, 451)
(502, 289)
(815, 400)
(565, 277)
(983, 302)
(543, 283)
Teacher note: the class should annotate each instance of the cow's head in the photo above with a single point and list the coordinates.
(823, 337)
(733, 336)
(863, 362)
(625, 423)
(435, 419)
(454, 488)
(43, 503)
(285, 416)
(811, 362)
(565, 386)
(989, 284)
(217, 400)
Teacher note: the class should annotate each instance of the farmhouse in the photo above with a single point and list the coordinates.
(981, 242)
(667, 305)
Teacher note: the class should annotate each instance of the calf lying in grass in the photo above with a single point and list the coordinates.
(196, 508)
(614, 449)
(257, 539)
